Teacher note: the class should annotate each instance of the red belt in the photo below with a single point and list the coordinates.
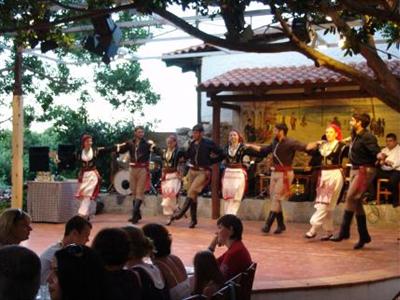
(279, 168)
(169, 170)
(139, 165)
(195, 168)
(330, 167)
(235, 166)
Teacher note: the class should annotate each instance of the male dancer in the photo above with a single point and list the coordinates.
(283, 150)
(363, 154)
(139, 150)
(202, 153)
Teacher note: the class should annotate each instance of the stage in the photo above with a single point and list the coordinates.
(289, 266)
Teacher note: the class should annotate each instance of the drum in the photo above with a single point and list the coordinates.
(121, 182)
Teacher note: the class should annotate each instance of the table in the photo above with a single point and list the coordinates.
(52, 201)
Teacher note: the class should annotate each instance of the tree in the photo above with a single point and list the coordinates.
(373, 15)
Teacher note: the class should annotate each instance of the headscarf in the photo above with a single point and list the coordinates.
(338, 131)
(84, 138)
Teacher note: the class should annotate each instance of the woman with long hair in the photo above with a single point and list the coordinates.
(89, 178)
(329, 184)
(234, 179)
(208, 278)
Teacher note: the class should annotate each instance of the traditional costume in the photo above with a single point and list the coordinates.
(234, 178)
(329, 185)
(282, 175)
(200, 155)
(89, 178)
(171, 179)
(362, 154)
(139, 152)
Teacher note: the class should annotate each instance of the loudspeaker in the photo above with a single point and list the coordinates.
(39, 159)
(66, 157)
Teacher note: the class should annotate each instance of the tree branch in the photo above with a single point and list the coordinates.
(53, 79)
(380, 14)
(367, 83)
(249, 46)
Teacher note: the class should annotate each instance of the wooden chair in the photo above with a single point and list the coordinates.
(382, 191)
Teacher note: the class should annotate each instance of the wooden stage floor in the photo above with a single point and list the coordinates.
(284, 261)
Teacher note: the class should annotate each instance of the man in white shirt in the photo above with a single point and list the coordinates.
(77, 231)
(389, 160)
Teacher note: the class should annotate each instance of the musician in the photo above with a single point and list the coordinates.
(171, 178)
(89, 178)
(363, 154)
(202, 153)
(389, 166)
(329, 184)
(283, 150)
(234, 179)
(139, 151)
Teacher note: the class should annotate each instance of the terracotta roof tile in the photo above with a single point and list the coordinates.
(284, 76)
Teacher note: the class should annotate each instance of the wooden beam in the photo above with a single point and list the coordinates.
(215, 182)
(225, 105)
(17, 169)
(292, 96)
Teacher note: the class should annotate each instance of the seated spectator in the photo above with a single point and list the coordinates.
(208, 278)
(19, 273)
(77, 231)
(171, 266)
(150, 277)
(237, 258)
(15, 227)
(389, 161)
(113, 247)
(77, 273)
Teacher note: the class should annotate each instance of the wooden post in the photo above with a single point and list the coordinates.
(17, 170)
(215, 181)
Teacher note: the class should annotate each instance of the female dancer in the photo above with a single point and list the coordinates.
(234, 179)
(330, 183)
(171, 178)
(89, 178)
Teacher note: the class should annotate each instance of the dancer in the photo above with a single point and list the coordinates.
(234, 179)
(283, 150)
(363, 154)
(139, 151)
(202, 153)
(330, 183)
(89, 178)
(171, 178)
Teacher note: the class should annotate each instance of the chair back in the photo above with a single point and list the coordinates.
(223, 294)
(196, 297)
(247, 281)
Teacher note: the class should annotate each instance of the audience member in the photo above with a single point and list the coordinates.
(389, 160)
(151, 280)
(14, 227)
(112, 245)
(237, 258)
(208, 278)
(77, 274)
(19, 273)
(77, 231)
(171, 267)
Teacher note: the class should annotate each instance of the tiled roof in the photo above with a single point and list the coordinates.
(284, 77)
(193, 49)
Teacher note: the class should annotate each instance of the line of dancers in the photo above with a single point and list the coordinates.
(202, 153)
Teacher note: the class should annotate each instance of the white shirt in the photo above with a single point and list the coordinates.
(45, 260)
(392, 156)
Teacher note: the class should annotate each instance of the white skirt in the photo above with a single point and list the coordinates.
(233, 184)
(170, 188)
(88, 185)
(330, 184)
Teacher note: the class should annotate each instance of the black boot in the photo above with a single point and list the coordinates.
(193, 215)
(281, 225)
(136, 214)
(362, 231)
(179, 214)
(268, 223)
(133, 211)
(344, 232)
